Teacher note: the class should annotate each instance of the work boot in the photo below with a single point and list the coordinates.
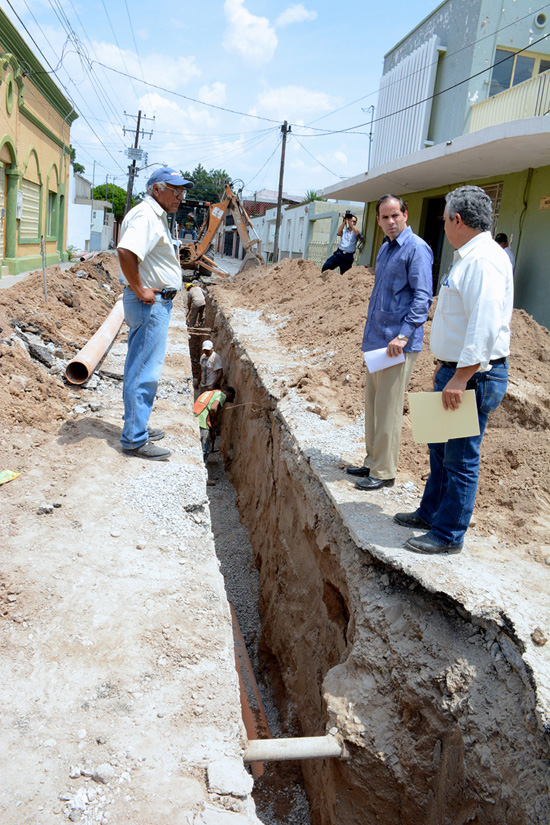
(155, 434)
(151, 451)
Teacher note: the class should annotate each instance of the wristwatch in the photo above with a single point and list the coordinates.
(402, 337)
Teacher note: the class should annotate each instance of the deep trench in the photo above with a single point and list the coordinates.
(279, 794)
(440, 729)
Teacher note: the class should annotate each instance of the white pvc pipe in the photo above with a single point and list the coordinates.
(305, 747)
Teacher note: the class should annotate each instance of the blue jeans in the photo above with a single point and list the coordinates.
(144, 361)
(450, 492)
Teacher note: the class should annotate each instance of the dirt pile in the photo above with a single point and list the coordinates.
(321, 316)
(38, 338)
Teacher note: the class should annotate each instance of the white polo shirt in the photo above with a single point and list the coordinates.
(145, 232)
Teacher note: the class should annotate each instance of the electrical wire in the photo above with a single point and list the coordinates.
(69, 98)
(341, 177)
(185, 97)
(435, 62)
(511, 56)
(101, 94)
(264, 164)
(134, 39)
(118, 47)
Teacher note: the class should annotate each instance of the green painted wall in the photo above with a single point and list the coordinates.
(520, 216)
(532, 272)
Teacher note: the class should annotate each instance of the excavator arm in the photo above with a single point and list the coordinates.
(193, 255)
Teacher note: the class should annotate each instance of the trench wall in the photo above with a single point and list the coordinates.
(436, 708)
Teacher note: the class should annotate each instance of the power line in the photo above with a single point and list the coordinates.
(118, 47)
(134, 39)
(71, 101)
(264, 164)
(341, 177)
(511, 56)
(83, 56)
(418, 71)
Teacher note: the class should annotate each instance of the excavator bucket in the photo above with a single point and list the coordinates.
(250, 261)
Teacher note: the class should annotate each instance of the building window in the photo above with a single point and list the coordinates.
(515, 69)
(30, 215)
(52, 214)
(494, 190)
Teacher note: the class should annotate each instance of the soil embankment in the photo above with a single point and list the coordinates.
(429, 668)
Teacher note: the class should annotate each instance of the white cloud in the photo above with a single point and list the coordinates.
(251, 37)
(295, 103)
(175, 71)
(213, 94)
(296, 13)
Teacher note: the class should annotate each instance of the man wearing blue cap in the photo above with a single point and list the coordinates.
(152, 275)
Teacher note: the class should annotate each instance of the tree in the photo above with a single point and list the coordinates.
(116, 195)
(76, 166)
(208, 186)
(311, 195)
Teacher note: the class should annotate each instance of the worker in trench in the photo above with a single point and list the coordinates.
(208, 411)
(210, 369)
(196, 303)
(151, 273)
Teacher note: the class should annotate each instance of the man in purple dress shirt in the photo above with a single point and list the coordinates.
(398, 308)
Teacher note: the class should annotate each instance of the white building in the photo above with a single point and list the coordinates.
(89, 222)
(308, 230)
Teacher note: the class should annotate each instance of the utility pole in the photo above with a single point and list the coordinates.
(136, 154)
(285, 128)
(371, 110)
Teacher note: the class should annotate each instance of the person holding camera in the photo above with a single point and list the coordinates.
(349, 236)
(151, 273)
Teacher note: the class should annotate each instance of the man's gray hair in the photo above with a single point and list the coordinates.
(473, 205)
(161, 185)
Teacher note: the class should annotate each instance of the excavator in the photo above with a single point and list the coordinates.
(193, 254)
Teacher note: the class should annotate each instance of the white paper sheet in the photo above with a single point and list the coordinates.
(431, 423)
(378, 359)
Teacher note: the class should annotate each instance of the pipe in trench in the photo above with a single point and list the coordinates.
(305, 747)
(254, 718)
(84, 363)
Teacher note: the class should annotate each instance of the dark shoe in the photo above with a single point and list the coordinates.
(430, 547)
(411, 520)
(374, 483)
(149, 450)
(358, 471)
(155, 435)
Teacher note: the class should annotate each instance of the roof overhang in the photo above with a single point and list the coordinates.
(497, 150)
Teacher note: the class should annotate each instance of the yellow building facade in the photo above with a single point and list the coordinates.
(35, 121)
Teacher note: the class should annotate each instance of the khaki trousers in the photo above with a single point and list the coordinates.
(384, 396)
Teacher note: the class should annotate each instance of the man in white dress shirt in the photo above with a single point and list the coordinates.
(502, 240)
(470, 340)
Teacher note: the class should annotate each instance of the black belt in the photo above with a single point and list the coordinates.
(454, 364)
(341, 251)
(168, 294)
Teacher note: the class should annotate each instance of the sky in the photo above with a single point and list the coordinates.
(216, 80)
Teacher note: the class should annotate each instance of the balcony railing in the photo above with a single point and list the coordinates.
(528, 99)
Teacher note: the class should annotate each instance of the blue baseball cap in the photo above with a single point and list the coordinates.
(169, 176)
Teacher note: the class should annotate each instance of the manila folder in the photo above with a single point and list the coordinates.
(432, 424)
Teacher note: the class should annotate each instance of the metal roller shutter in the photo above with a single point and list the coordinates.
(30, 216)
